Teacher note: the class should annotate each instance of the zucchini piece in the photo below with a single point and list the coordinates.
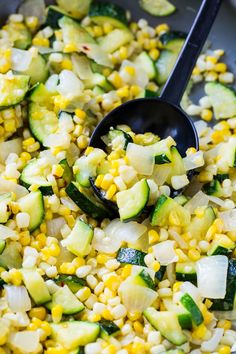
(144, 61)
(184, 317)
(31, 175)
(213, 188)
(54, 14)
(2, 283)
(104, 12)
(222, 176)
(166, 322)
(71, 334)
(39, 94)
(78, 241)
(72, 281)
(228, 303)
(149, 93)
(117, 139)
(67, 174)
(2, 246)
(87, 165)
(97, 90)
(131, 256)
(37, 70)
(132, 201)
(177, 164)
(12, 89)
(11, 256)
(221, 244)
(42, 121)
(87, 202)
(69, 302)
(108, 329)
(186, 272)
(98, 80)
(198, 226)
(157, 7)
(36, 286)
(173, 40)
(33, 205)
(191, 306)
(181, 199)
(72, 32)
(160, 274)
(145, 276)
(223, 100)
(18, 34)
(5, 212)
(115, 39)
(164, 65)
(174, 351)
(164, 206)
(75, 8)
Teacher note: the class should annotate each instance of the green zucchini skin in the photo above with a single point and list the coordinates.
(131, 256)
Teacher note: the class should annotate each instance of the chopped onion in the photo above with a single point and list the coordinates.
(170, 271)
(20, 59)
(33, 8)
(165, 253)
(68, 202)
(81, 66)
(216, 200)
(8, 147)
(25, 341)
(179, 240)
(198, 200)
(9, 186)
(201, 127)
(192, 290)
(58, 140)
(70, 85)
(161, 173)
(229, 219)
(128, 232)
(137, 153)
(6, 232)
(18, 298)
(72, 154)
(193, 161)
(54, 227)
(136, 298)
(95, 52)
(211, 344)
(52, 82)
(212, 276)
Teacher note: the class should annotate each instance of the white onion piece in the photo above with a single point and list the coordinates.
(8, 147)
(170, 271)
(136, 297)
(52, 82)
(107, 244)
(68, 202)
(193, 161)
(18, 298)
(58, 140)
(95, 52)
(165, 253)
(211, 344)
(212, 276)
(70, 85)
(137, 153)
(6, 232)
(81, 67)
(179, 240)
(161, 173)
(25, 341)
(20, 59)
(200, 126)
(198, 200)
(9, 186)
(216, 200)
(72, 154)
(229, 219)
(192, 290)
(129, 232)
(54, 226)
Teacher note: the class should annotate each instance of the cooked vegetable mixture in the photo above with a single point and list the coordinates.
(152, 270)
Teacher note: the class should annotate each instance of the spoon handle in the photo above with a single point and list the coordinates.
(177, 82)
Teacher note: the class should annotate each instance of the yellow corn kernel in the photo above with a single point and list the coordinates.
(38, 312)
(123, 92)
(70, 220)
(57, 170)
(41, 42)
(123, 52)
(113, 282)
(199, 212)
(176, 286)
(78, 262)
(138, 347)
(126, 271)
(106, 314)
(15, 276)
(211, 59)
(28, 142)
(95, 317)
(70, 48)
(102, 258)
(10, 125)
(138, 327)
(207, 115)
(196, 71)
(219, 136)
(32, 327)
(67, 268)
(57, 312)
(162, 28)
(97, 31)
(174, 218)
(182, 256)
(135, 90)
(82, 142)
(134, 316)
(153, 236)
(60, 102)
(107, 181)
(156, 266)
(130, 70)
(224, 350)
(99, 180)
(58, 34)
(116, 80)
(56, 350)
(200, 332)
(107, 28)
(48, 215)
(194, 254)
(211, 232)
(111, 349)
(66, 64)
(226, 324)
(220, 67)
(63, 210)
(205, 176)
(32, 22)
(88, 150)
(106, 72)
(43, 228)
(208, 303)
(154, 53)
(111, 191)
(208, 317)
(46, 328)
(80, 113)
(14, 207)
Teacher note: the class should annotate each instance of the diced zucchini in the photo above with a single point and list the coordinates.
(11, 256)
(132, 201)
(67, 174)
(131, 256)
(164, 206)
(186, 272)
(87, 166)
(37, 70)
(104, 12)
(98, 80)
(160, 274)
(223, 100)
(18, 34)
(173, 40)
(5, 212)
(32, 174)
(2, 246)
(72, 334)
(181, 199)
(97, 90)
(75, 8)
(86, 201)
(198, 226)
(163, 152)
(36, 286)
(164, 65)
(42, 122)
(33, 205)
(39, 94)
(157, 7)
(69, 302)
(108, 329)
(72, 32)
(115, 39)
(78, 241)
(72, 281)
(191, 306)
(145, 276)
(12, 89)
(177, 164)
(221, 244)
(167, 323)
(147, 64)
(222, 176)
(117, 139)
(213, 188)
(54, 13)
(184, 317)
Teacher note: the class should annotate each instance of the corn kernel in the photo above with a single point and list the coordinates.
(57, 170)
(80, 113)
(15, 276)
(106, 314)
(207, 115)
(111, 191)
(107, 27)
(154, 53)
(162, 28)
(10, 125)
(46, 328)
(135, 90)
(97, 31)
(123, 53)
(211, 59)
(130, 70)
(38, 312)
(102, 258)
(25, 156)
(196, 71)
(41, 42)
(32, 22)
(176, 286)
(205, 176)
(126, 271)
(224, 350)
(66, 64)
(138, 327)
(57, 312)
(70, 48)
(138, 347)
(156, 266)
(82, 142)
(200, 332)
(226, 324)
(107, 181)
(67, 268)
(194, 254)
(78, 262)
(123, 92)
(153, 236)
(134, 316)
(56, 350)
(220, 67)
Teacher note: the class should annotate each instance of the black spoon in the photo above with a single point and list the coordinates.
(163, 115)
